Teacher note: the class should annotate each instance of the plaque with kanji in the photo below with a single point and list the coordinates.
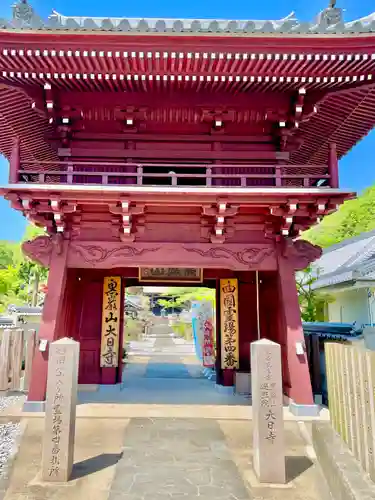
(171, 274)
(229, 323)
(109, 352)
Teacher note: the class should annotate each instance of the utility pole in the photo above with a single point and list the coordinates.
(34, 297)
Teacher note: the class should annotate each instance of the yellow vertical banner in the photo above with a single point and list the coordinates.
(229, 323)
(109, 351)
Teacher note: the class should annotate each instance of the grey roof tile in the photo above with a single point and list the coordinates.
(28, 310)
(330, 20)
(5, 321)
(346, 261)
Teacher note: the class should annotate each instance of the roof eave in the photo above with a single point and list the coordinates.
(346, 37)
(78, 188)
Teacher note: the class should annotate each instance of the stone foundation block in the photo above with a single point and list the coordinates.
(242, 383)
(345, 477)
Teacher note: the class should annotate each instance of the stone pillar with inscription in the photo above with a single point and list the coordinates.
(267, 403)
(58, 440)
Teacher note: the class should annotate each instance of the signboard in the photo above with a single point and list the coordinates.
(171, 274)
(208, 344)
(229, 323)
(198, 341)
(109, 352)
(205, 333)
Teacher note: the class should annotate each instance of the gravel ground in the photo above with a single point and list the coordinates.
(8, 440)
(8, 401)
(9, 432)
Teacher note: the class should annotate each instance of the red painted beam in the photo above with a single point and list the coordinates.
(180, 197)
(203, 99)
(152, 137)
(169, 154)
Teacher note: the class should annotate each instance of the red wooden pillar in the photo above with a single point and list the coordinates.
(247, 316)
(49, 327)
(333, 166)
(14, 164)
(298, 384)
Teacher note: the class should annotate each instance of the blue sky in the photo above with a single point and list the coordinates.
(356, 169)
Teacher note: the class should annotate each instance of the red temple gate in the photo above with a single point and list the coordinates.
(179, 144)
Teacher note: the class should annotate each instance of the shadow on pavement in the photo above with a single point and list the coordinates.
(94, 464)
(295, 466)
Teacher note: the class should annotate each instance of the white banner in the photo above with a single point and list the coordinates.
(205, 326)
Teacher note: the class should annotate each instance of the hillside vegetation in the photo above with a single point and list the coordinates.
(353, 218)
(19, 277)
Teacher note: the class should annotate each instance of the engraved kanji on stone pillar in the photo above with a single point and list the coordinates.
(267, 402)
(62, 381)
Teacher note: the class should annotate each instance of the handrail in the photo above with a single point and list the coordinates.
(270, 175)
(203, 176)
(171, 164)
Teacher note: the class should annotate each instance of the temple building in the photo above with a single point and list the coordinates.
(179, 150)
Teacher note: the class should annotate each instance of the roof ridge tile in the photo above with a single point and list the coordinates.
(328, 21)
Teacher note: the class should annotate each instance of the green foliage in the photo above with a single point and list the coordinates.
(184, 296)
(32, 232)
(133, 329)
(17, 272)
(6, 254)
(184, 330)
(311, 301)
(10, 254)
(353, 218)
(11, 289)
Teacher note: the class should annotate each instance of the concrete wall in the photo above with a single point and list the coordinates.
(350, 306)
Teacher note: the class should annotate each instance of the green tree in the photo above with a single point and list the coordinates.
(184, 296)
(10, 254)
(353, 218)
(30, 272)
(311, 301)
(6, 254)
(11, 288)
(18, 273)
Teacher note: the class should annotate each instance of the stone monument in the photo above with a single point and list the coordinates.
(267, 401)
(61, 400)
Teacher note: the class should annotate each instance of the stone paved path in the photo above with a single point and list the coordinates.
(169, 376)
(182, 458)
(161, 365)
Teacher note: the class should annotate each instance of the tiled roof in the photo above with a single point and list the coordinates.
(5, 321)
(132, 302)
(329, 21)
(27, 310)
(351, 260)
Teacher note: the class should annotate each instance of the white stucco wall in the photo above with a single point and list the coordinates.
(350, 306)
